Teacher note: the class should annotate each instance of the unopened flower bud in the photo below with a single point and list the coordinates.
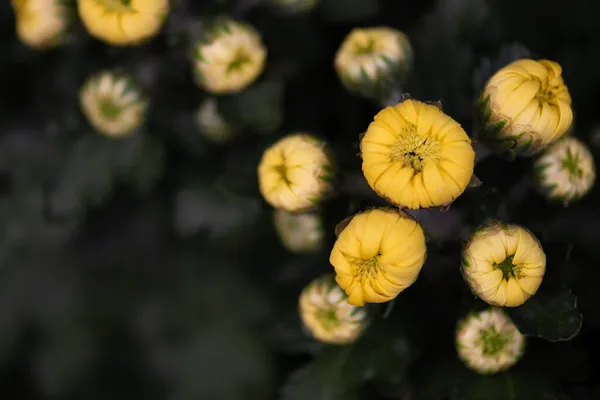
(378, 255)
(503, 264)
(212, 124)
(41, 23)
(416, 156)
(489, 342)
(229, 58)
(123, 22)
(565, 171)
(371, 61)
(327, 315)
(295, 173)
(113, 104)
(524, 107)
(299, 233)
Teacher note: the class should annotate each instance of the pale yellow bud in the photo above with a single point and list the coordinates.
(503, 264)
(41, 23)
(299, 233)
(212, 124)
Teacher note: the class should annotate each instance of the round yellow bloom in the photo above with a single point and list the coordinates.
(212, 124)
(230, 58)
(326, 314)
(295, 173)
(299, 233)
(371, 60)
(123, 22)
(525, 106)
(416, 156)
(489, 342)
(296, 6)
(378, 255)
(503, 264)
(41, 23)
(565, 171)
(113, 104)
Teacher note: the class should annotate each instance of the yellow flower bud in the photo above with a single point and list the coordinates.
(299, 233)
(230, 57)
(565, 171)
(113, 104)
(371, 60)
(525, 106)
(489, 342)
(123, 22)
(212, 124)
(296, 6)
(503, 264)
(41, 23)
(416, 156)
(295, 173)
(378, 255)
(326, 314)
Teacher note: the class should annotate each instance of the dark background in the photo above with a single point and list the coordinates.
(148, 267)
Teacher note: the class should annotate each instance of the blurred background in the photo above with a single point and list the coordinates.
(149, 267)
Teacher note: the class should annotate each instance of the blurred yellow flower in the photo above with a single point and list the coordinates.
(41, 23)
(378, 255)
(326, 314)
(212, 124)
(295, 173)
(113, 104)
(299, 233)
(371, 60)
(296, 6)
(525, 106)
(503, 264)
(123, 22)
(416, 156)
(230, 57)
(565, 171)
(489, 342)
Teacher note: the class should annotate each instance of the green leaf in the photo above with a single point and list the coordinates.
(551, 314)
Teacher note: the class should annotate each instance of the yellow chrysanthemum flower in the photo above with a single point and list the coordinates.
(489, 342)
(295, 173)
(41, 23)
(123, 22)
(378, 255)
(212, 124)
(326, 314)
(296, 6)
(565, 171)
(416, 156)
(230, 57)
(113, 104)
(299, 233)
(503, 264)
(525, 106)
(371, 60)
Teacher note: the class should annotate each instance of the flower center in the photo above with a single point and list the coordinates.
(328, 318)
(572, 165)
(367, 269)
(547, 92)
(492, 341)
(241, 58)
(509, 270)
(363, 49)
(413, 150)
(109, 109)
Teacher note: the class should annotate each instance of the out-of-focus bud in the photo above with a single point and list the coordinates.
(378, 255)
(524, 107)
(327, 315)
(416, 156)
(212, 124)
(123, 22)
(41, 23)
(295, 173)
(299, 233)
(503, 264)
(113, 104)
(565, 171)
(229, 58)
(489, 342)
(296, 6)
(371, 61)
